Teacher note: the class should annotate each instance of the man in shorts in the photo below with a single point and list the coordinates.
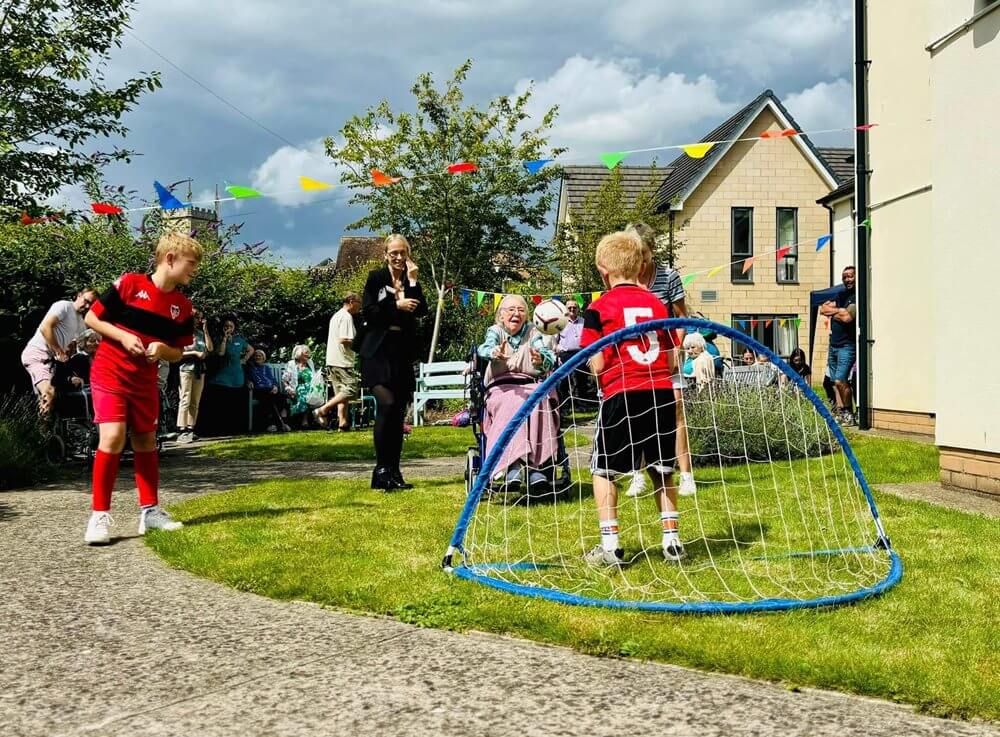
(339, 371)
(843, 349)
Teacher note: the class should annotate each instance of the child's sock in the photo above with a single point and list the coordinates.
(609, 535)
(105, 473)
(671, 525)
(147, 477)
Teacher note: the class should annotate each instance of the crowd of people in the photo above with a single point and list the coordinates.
(115, 343)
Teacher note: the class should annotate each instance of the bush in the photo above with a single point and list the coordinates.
(742, 423)
(22, 442)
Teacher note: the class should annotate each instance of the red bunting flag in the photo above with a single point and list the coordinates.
(779, 134)
(753, 323)
(747, 264)
(782, 252)
(26, 219)
(103, 208)
(536, 298)
(462, 167)
(865, 127)
(383, 180)
(768, 323)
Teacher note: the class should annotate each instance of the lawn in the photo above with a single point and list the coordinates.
(931, 641)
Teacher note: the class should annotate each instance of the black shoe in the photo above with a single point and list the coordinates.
(397, 477)
(382, 478)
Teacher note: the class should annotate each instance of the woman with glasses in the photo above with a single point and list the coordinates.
(391, 303)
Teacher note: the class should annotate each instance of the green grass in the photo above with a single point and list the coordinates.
(423, 442)
(931, 641)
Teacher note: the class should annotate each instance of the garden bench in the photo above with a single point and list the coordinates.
(438, 380)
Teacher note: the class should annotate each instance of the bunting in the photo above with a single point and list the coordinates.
(697, 150)
(535, 166)
(312, 185)
(594, 296)
(462, 167)
(613, 159)
(497, 299)
(167, 200)
(747, 264)
(688, 279)
(465, 297)
(382, 180)
(779, 134)
(105, 208)
(782, 252)
(767, 323)
(242, 193)
(822, 241)
(716, 270)
(536, 299)
(479, 298)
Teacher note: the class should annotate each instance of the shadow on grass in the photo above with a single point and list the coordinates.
(242, 514)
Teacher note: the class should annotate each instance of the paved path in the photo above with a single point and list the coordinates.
(110, 641)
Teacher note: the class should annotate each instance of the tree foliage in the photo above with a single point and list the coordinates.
(604, 211)
(54, 96)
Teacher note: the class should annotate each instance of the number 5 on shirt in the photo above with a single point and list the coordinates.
(633, 316)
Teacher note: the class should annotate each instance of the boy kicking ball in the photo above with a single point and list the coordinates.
(143, 319)
(636, 419)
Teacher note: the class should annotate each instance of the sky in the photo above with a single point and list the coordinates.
(629, 74)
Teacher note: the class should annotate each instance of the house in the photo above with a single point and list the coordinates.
(928, 297)
(356, 251)
(744, 199)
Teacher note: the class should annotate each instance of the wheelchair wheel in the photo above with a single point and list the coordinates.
(471, 468)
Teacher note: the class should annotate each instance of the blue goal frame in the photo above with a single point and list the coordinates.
(480, 572)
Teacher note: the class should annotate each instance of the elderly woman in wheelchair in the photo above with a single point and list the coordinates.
(517, 361)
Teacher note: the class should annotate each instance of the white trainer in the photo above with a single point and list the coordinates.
(637, 486)
(98, 529)
(155, 518)
(673, 551)
(687, 486)
(601, 558)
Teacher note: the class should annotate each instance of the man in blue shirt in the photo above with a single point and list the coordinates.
(843, 349)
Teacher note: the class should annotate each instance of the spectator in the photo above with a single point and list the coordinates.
(303, 385)
(843, 351)
(749, 359)
(74, 373)
(226, 401)
(339, 371)
(798, 363)
(267, 393)
(577, 384)
(702, 363)
(55, 341)
(192, 379)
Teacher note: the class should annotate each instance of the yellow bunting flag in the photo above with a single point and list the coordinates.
(313, 185)
(716, 270)
(497, 299)
(747, 264)
(697, 150)
(782, 322)
(594, 296)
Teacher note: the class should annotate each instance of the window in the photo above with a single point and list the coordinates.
(788, 236)
(742, 243)
(777, 332)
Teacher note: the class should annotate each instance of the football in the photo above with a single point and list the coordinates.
(550, 317)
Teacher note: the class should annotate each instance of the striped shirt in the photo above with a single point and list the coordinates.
(667, 286)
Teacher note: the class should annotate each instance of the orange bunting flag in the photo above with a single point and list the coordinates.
(382, 180)
(747, 264)
(312, 185)
(782, 252)
(779, 134)
(462, 167)
(697, 150)
(768, 323)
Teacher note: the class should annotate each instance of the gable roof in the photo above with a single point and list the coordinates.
(841, 161)
(687, 173)
(357, 251)
(580, 181)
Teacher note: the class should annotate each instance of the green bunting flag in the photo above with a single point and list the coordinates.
(688, 279)
(479, 298)
(242, 192)
(613, 159)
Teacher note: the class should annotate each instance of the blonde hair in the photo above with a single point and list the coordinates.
(179, 245)
(397, 237)
(645, 234)
(620, 254)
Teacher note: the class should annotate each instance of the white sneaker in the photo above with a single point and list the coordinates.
(601, 558)
(155, 518)
(637, 486)
(687, 486)
(674, 551)
(98, 529)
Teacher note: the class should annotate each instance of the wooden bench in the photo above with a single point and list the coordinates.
(438, 380)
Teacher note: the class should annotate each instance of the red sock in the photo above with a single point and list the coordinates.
(105, 473)
(147, 477)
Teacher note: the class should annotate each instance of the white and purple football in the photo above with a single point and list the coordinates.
(550, 316)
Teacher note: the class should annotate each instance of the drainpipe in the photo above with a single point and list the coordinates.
(863, 284)
(833, 240)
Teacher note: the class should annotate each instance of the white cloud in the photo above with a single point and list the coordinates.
(824, 105)
(606, 105)
(280, 172)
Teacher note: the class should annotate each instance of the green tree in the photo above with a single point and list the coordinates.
(604, 211)
(54, 98)
(473, 229)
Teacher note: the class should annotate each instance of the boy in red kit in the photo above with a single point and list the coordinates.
(143, 319)
(637, 418)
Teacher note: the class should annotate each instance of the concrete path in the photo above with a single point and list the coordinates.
(110, 641)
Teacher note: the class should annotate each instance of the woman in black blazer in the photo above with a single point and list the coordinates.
(391, 304)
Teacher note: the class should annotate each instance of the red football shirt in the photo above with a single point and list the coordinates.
(636, 364)
(135, 304)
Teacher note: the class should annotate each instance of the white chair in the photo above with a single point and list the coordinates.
(438, 380)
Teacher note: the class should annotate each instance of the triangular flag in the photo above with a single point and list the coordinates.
(697, 150)
(462, 167)
(613, 159)
(536, 298)
(865, 127)
(798, 321)
(742, 324)
(26, 219)
(167, 200)
(479, 297)
(716, 270)
(311, 185)
(822, 241)
(104, 208)
(465, 297)
(688, 279)
(768, 323)
(782, 252)
(867, 222)
(594, 296)
(382, 180)
(241, 193)
(497, 299)
(753, 323)
(535, 166)
(747, 264)
(779, 134)
(782, 322)
(578, 298)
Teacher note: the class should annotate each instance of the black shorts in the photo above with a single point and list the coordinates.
(635, 430)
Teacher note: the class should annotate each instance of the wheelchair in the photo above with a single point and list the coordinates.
(73, 434)
(559, 479)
